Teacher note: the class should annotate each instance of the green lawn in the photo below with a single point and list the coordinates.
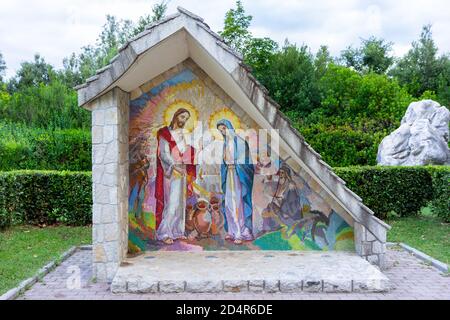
(24, 250)
(425, 233)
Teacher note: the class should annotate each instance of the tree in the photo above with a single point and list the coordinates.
(422, 70)
(291, 81)
(352, 58)
(235, 31)
(32, 74)
(158, 12)
(374, 55)
(2, 67)
(258, 54)
(322, 60)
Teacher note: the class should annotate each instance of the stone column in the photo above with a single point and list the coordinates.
(110, 177)
(369, 247)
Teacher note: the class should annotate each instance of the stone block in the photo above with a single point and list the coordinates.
(109, 213)
(111, 154)
(373, 259)
(235, 285)
(108, 133)
(98, 153)
(337, 286)
(366, 248)
(256, 285)
(312, 286)
(97, 173)
(378, 247)
(112, 251)
(101, 194)
(111, 231)
(111, 168)
(142, 285)
(119, 285)
(100, 271)
(204, 286)
(98, 117)
(111, 116)
(98, 232)
(171, 286)
(96, 214)
(111, 269)
(99, 253)
(109, 180)
(291, 285)
(371, 285)
(97, 134)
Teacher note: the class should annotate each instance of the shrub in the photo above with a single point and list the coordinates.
(24, 148)
(342, 145)
(404, 190)
(45, 197)
(440, 204)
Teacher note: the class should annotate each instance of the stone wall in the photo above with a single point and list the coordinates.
(110, 182)
(369, 247)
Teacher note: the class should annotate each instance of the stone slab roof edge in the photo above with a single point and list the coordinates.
(107, 75)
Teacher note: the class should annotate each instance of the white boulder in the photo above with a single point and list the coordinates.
(421, 139)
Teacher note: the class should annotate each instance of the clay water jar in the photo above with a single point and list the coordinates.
(202, 217)
(217, 218)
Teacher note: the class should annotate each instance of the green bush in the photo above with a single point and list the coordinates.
(45, 197)
(24, 148)
(44, 106)
(342, 145)
(403, 190)
(441, 189)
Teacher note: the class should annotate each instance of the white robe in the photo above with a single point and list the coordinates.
(173, 217)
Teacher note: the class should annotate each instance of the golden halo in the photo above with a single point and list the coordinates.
(174, 107)
(224, 113)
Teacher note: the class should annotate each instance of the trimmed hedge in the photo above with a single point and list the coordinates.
(48, 197)
(440, 204)
(402, 190)
(24, 148)
(45, 197)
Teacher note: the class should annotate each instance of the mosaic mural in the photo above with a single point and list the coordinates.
(239, 202)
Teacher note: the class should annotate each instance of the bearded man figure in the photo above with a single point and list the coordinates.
(174, 176)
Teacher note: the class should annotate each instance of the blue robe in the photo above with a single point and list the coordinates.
(245, 171)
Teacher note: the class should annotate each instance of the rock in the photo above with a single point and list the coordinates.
(422, 138)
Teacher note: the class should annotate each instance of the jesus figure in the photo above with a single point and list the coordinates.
(174, 176)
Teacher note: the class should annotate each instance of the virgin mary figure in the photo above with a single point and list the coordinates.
(237, 174)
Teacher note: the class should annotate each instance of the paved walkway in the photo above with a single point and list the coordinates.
(410, 279)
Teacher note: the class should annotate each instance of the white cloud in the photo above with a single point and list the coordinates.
(56, 28)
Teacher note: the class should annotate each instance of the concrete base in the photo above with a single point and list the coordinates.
(254, 271)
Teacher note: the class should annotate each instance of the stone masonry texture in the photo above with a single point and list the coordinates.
(110, 182)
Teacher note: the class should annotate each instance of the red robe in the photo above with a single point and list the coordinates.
(179, 158)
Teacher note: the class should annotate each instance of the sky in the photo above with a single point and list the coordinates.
(56, 28)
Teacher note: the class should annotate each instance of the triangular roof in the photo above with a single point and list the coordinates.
(185, 35)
